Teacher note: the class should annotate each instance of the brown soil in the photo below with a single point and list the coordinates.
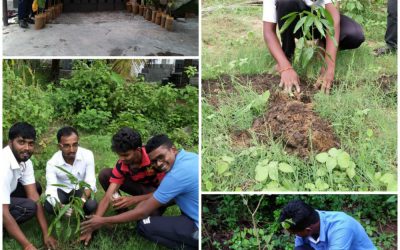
(388, 83)
(289, 119)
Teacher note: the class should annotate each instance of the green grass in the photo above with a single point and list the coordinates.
(233, 45)
(123, 236)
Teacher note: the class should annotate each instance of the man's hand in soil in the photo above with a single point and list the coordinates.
(50, 242)
(289, 79)
(95, 222)
(324, 81)
(125, 202)
(86, 237)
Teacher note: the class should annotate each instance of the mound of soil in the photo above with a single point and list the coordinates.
(289, 119)
(297, 125)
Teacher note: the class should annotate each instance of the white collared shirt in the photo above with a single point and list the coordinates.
(269, 8)
(13, 172)
(82, 169)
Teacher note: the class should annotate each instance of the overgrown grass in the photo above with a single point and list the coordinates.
(233, 45)
(124, 236)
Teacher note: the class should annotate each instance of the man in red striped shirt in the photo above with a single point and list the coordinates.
(132, 174)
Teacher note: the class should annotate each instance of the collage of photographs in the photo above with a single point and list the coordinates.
(199, 124)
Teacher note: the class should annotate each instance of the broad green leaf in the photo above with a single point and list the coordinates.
(261, 173)
(273, 170)
(333, 152)
(310, 186)
(351, 172)
(286, 168)
(308, 24)
(209, 185)
(321, 185)
(238, 189)
(321, 172)
(322, 157)
(273, 186)
(331, 163)
(300, 43)
(344, 160)
(387, 178)
(228, 159)
(222, 166)
(370, 133)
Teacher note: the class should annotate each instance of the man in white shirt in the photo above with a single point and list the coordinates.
(80, 163)
(19, 189)
(348, 35)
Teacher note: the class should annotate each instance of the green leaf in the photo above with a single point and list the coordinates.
(299, 24)
(222, 166)
(307, 54)
(273, 170)
(370, 133)
(331, 163)
(333, 152)
(261, 173)
(351, 172)
(287, 23)
(322, 157)
(321, 172)
(228, 159)
(344, 160)
(310, 186)
(318, 24)
(286, 168)
(321, 185)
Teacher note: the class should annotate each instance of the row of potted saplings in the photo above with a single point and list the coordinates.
(151, 14)
(45, 16)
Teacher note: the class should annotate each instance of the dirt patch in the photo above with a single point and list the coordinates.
(388, 84)
(290, 119)
(297, 125)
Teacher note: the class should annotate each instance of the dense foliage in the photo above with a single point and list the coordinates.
(96, 99)
(227, 221)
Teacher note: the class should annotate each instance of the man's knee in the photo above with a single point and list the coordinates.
(48, 207)
(104, 177)
(90, 206)
(24, 210)
(143, 229)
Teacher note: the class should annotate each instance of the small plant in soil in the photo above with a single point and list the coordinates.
(74, 209)
(318, 19)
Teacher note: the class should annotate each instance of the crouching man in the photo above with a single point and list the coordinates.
(179, 184)
(20, 192)
(80, 163)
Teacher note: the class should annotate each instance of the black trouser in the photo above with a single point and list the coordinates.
(304, 247)
(351, 33)
(89, 207)
(130, 187)
(391, 28)
(21, 207)
(24, 8)
(177, 232)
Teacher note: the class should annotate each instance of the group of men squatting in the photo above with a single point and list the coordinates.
(155, 176)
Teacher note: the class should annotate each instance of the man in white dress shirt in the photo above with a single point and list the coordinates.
(348, 35)
(79, 162)
(20, 192)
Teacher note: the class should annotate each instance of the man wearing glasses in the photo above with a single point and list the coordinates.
(80, 163)
(20, 192)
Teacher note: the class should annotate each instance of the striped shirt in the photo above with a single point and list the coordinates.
(145, 174)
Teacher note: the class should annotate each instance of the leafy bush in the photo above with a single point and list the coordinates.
(227, 219)
(24, 102)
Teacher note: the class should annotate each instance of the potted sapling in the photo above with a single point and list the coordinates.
(169, 19)
(40, 17)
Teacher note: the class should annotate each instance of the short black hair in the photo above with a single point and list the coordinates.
(125, 139)
(157, 141)
(66, 131)
(301, 214)
(22, 129)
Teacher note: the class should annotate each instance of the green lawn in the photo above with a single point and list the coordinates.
(123, 236)
(362, 111)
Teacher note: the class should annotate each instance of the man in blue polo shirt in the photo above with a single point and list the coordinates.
(323, 229)
(180, 184)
